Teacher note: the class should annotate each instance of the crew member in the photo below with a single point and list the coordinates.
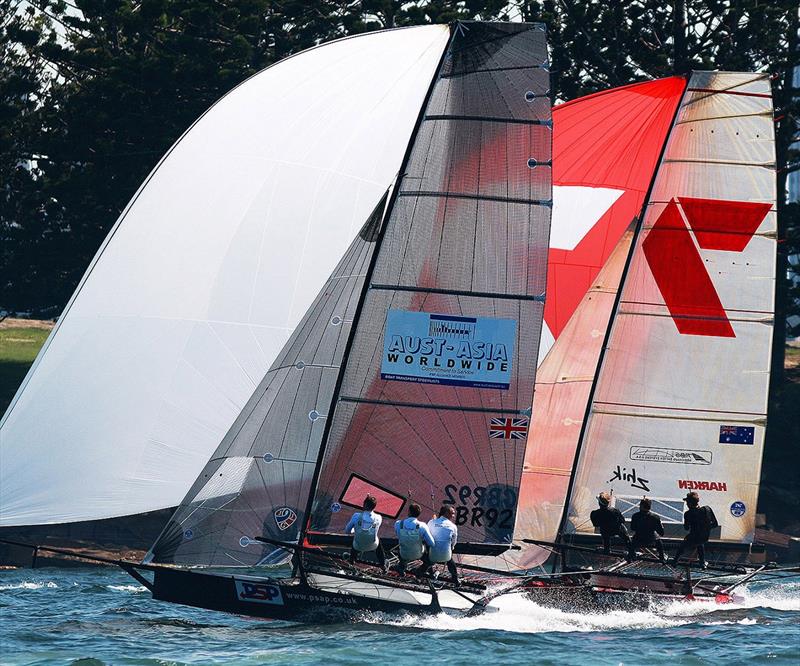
(412, 536)
(699, 521)
(364, 526)
(609, 521)
(647, 530)
(445, 535)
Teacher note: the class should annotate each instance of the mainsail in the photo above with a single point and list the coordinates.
(680, 400)
(204, 277)
(436, 388)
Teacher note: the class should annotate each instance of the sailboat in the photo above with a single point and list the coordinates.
(411, 375)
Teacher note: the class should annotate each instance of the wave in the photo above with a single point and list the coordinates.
(28, 585)
(517, 613)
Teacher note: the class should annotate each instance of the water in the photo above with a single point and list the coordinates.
(101, 616)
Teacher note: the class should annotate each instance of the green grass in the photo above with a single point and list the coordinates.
(18, 349)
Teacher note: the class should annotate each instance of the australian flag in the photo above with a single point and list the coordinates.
(736, 434)
(504, 428)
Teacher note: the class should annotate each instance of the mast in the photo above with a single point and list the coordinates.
(607, 335)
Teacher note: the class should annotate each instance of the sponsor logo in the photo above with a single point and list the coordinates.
(260, 593)
(678, 267)
(622, 474)
(678, 456)
(503, 428)
(720, 486)
(736, 434)
(284, 518)
(738, 509)
(431, 348)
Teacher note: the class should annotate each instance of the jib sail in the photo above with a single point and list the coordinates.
(681, 398)
(435, 395)
(257, 483)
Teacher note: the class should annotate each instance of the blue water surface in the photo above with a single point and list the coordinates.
(101, 616)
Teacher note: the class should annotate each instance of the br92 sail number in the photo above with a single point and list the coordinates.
(482, 507)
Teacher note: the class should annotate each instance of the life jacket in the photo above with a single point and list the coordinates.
(365, 536)
(410, 541)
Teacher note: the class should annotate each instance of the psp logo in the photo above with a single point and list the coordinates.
(284, 518)
(261, 593)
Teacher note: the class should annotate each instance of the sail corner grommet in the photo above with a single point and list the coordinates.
(530, 96)
(268, 457)
(336, 320)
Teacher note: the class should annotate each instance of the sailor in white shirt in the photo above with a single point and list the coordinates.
(412, 537)
(364, 526)
(445, 535)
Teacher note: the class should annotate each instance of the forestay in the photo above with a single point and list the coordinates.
(204, 277)
(437, 384)
(681, 398)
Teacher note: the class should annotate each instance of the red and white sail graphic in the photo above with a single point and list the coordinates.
(681, 398)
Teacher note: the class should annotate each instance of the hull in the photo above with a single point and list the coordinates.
(602, 592)
(320, 597)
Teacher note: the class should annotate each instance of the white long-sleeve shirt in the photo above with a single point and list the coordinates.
(445, 536)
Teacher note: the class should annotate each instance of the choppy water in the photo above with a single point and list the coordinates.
(51, 616)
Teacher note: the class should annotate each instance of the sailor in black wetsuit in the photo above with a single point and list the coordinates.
(699, 520)
(609, 522)
(647, 530)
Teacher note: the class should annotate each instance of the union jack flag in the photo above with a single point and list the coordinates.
(504, 428)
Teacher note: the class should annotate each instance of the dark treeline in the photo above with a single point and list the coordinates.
(93, 92)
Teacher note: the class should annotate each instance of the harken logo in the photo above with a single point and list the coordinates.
(678, 268)
(284, 518)
(719, 486)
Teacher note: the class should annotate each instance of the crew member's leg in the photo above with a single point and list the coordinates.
(660, 548)
(353, 555)
(606, 544)
(424, 568)
(451, 567)
(684, 544)
(701, 554)
(633, 544)
(380, 556)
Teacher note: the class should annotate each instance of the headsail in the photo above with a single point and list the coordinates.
(681, 398)
(437, 385)
(204, 277)
(258, 480)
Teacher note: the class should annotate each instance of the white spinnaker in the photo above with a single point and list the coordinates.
(664, 395)
(204, 277)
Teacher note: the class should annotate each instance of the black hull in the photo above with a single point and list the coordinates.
(278, 599)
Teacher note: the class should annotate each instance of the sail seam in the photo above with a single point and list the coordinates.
(494, 69)
(476, 197)
(458, 292)
(490, 119)
(416, 405)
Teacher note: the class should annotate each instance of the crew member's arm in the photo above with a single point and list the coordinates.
(427, 537)
(397, 524)
(686, 520)
(712, 519)
(352, 524)
(454, 537)
(659, 526)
